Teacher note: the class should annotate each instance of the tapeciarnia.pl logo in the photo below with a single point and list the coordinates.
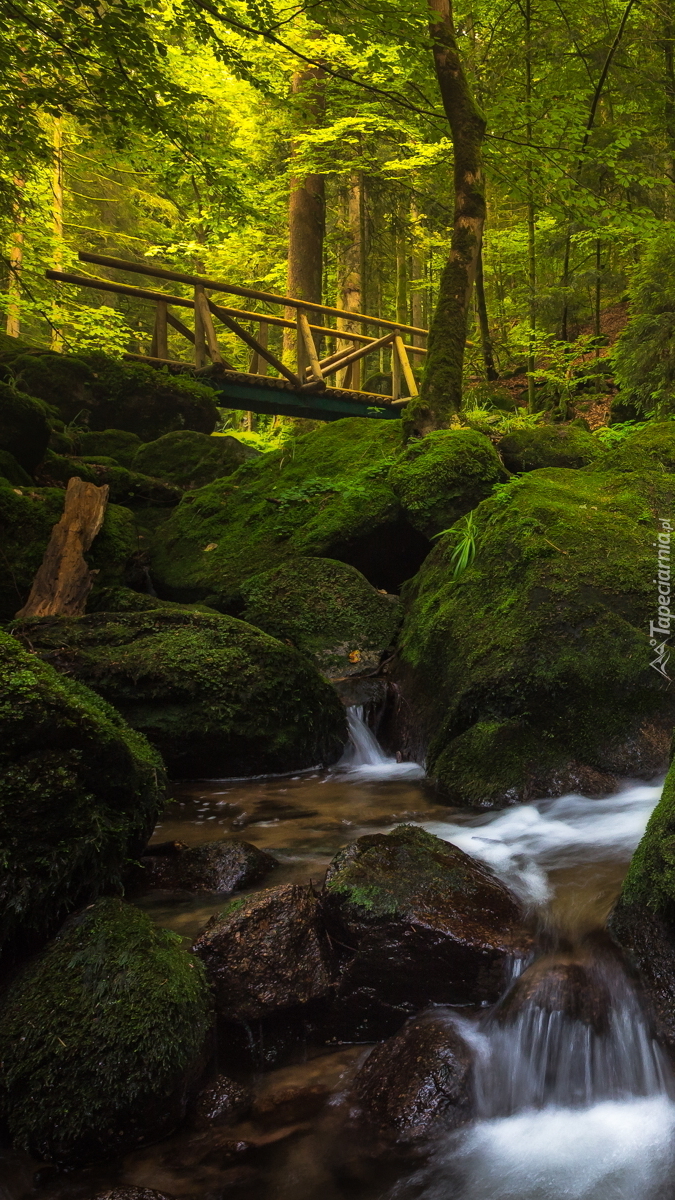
(659, 630)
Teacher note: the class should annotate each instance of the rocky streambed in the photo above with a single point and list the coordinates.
(531, 1072)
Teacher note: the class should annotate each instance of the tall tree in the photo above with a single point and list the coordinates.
(441, 392)
(306, 205)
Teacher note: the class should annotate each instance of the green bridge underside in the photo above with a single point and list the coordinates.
(257, 393)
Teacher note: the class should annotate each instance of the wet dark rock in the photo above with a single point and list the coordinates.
(426, 924)
(132, 1193)
(266, 953)
(414, 1085)
(575, 989)
(103, 1038)
(226, 865)
(221, 1103)
(289, 1105)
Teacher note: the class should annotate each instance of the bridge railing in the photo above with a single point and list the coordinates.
(309, 371)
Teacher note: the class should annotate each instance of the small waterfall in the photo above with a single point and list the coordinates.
(365, 758)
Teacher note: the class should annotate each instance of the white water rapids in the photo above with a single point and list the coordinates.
(570, 1107)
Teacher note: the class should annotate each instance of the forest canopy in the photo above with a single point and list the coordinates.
(180, 132)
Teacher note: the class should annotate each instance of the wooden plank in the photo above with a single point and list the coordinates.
(411, 383)
(64, 579)
(305, 333)
(253, 344)
(202, 304)
(395, 373)
(127, 289)
(217, 285)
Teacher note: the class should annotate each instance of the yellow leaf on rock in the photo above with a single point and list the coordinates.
(355, 656)
(211, 546)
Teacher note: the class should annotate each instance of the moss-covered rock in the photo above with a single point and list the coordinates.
(325, 608)
(443, 475)
(643, 919)
(530, 672)
(12, 472)
(191, 459)
(213, 694)
(126, 600)
(104, 393)
(79, 792)
(549, 446)
(27, 516)
(119, 444)
(24, 427)
(651, 447)
(102, 1038)
(325, 495)
(429, 925)
(125, 487)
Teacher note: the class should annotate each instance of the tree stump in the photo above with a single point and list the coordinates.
(64, 580)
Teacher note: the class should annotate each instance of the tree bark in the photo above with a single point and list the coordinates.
(64, 580)
(56, 339)
(441, 394)
(352, 271)
(306, 216)
(485, 337)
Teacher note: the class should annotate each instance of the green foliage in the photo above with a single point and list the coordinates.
(465, 550)
(442, 476)
(80, 791)
(98, 1033)
(644, 357)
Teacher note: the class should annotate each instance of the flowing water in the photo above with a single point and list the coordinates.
(573, 1096)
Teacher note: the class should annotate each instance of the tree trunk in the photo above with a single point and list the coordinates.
(441, 394)
(485, 337)
(56, 340)
(64, 580)
(13, 325)
(306, 216)
(669, 112)
(351, 282)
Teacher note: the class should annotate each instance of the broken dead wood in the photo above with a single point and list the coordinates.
(64, 580)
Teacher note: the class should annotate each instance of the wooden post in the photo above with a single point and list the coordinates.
(202, 307)
(161, 340)
(395, 372)
(200, 332)
(64, 580)
(305, 335)
(405, 366)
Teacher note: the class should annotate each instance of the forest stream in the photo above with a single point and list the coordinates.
(573, 1097)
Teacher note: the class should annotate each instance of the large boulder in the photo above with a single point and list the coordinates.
(413, 1086)
(124, 486)
(105, 393)
(327, 495)
(529, 673)
(80, 793)
(327, 609)
(213, 694)
(549, 446)
(442, 476)
(643, 918)
(102, 1038)
(119, 444)
(24, 427)
(27, 516)
(225, 865)
(266, 954)
(191, 459)
(426, 924)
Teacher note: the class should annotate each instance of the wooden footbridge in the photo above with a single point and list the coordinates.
(299, 390)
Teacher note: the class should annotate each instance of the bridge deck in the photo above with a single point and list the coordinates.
(265, 394)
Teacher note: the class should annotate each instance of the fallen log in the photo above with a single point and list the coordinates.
(64, 580)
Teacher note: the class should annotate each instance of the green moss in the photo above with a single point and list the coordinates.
(213, 694)
(442, 476)
(326, 609)
(125, 600)
(125, 487)
(24, 428)
(27, 516)
(390, 875)
(12, 472)
(119, 444)
(323, 495)
(79, 792)
(191, 459)
(98, 1033)
(537, 656)
(104, 393)
(650, 448)
(549, 446)
(650, 881)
